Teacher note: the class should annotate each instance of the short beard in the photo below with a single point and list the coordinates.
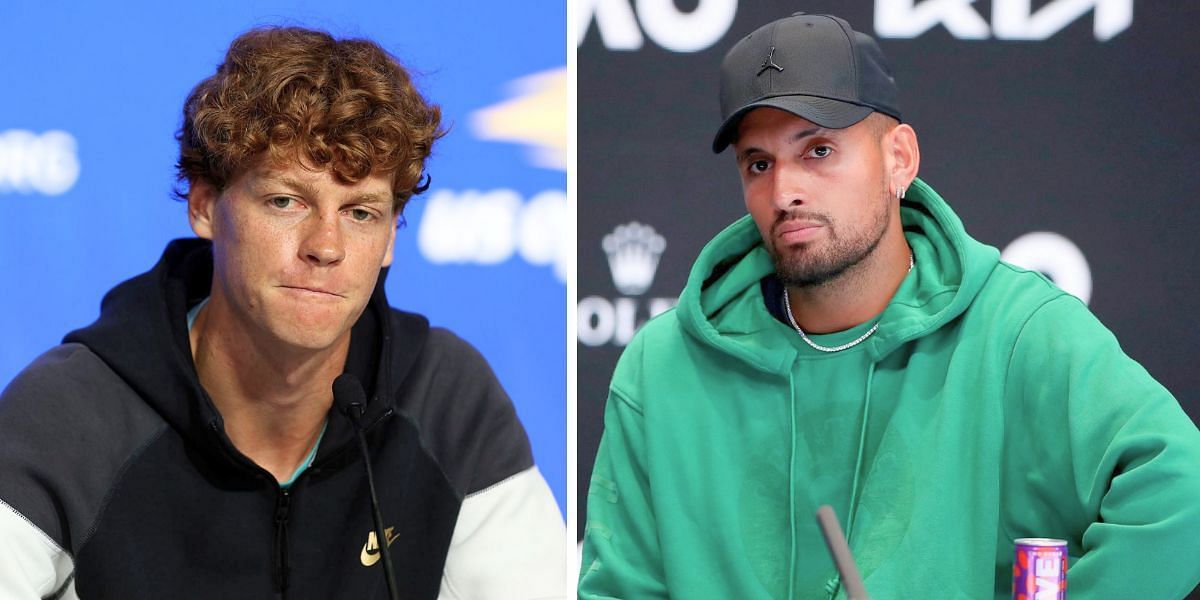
(805, 267)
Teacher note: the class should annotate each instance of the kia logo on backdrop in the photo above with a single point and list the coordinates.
(1011, 19)
(622, 23)
(633, 251)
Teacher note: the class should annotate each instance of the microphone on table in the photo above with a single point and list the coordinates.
(835, 540)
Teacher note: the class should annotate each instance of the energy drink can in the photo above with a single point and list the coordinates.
(1040, 569)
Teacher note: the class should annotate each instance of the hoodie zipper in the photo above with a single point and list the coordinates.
(280, 563)
(283, 501)
(282, 504)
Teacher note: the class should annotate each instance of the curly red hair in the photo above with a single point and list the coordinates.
(291, 94)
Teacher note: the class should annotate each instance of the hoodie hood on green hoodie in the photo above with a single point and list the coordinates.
(735, 261)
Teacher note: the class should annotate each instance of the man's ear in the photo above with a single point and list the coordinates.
(905, 154)
(387, 257)
(202, 202)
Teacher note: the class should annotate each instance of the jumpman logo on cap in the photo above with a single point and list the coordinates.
(769, 63)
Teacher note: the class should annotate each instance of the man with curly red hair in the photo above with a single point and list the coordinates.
(250, 418)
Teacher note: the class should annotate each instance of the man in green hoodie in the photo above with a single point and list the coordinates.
(847, 343)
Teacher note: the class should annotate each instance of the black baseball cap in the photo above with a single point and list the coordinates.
(813, 66)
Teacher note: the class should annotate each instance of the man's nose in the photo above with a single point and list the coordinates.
(322, 244)
(789, 188)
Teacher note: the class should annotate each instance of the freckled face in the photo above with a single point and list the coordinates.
(819, 196)
(296, 252)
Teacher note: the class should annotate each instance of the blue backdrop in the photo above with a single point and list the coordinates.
(91, 96)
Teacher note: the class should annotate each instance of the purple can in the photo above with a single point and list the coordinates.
(1040, 569)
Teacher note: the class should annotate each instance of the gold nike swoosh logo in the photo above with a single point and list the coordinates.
(370, 550)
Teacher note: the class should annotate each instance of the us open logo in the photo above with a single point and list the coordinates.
(488, 227)
(633, 251)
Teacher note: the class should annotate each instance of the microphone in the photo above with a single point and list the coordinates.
(835, 540)
(351, 400)
(349, 396)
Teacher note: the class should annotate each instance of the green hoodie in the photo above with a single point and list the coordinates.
(988, 406)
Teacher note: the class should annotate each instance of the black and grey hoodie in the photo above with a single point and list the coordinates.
(117, 479)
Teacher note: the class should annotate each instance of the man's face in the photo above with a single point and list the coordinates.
(296, 253)
(819, 196)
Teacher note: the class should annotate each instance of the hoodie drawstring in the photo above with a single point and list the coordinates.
(792, 488)
(834, 583)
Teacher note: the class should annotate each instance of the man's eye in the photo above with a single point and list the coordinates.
(759, 166)
(821, 151)
(281, 202)
(359, 214)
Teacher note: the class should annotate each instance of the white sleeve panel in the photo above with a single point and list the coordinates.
(32, 566)
(509, 543)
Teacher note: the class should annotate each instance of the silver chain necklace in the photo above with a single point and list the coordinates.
(787, 307)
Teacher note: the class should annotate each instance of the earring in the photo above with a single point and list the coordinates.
(899, 192)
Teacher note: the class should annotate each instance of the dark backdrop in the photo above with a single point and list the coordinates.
(1090, 133)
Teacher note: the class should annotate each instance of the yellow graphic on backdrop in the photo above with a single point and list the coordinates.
(536, 116)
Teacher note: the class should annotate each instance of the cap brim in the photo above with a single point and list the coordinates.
(831, 114)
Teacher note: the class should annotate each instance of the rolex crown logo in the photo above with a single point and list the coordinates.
(633, 251)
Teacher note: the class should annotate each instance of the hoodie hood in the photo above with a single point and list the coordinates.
(951, 268)
(142, 336)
